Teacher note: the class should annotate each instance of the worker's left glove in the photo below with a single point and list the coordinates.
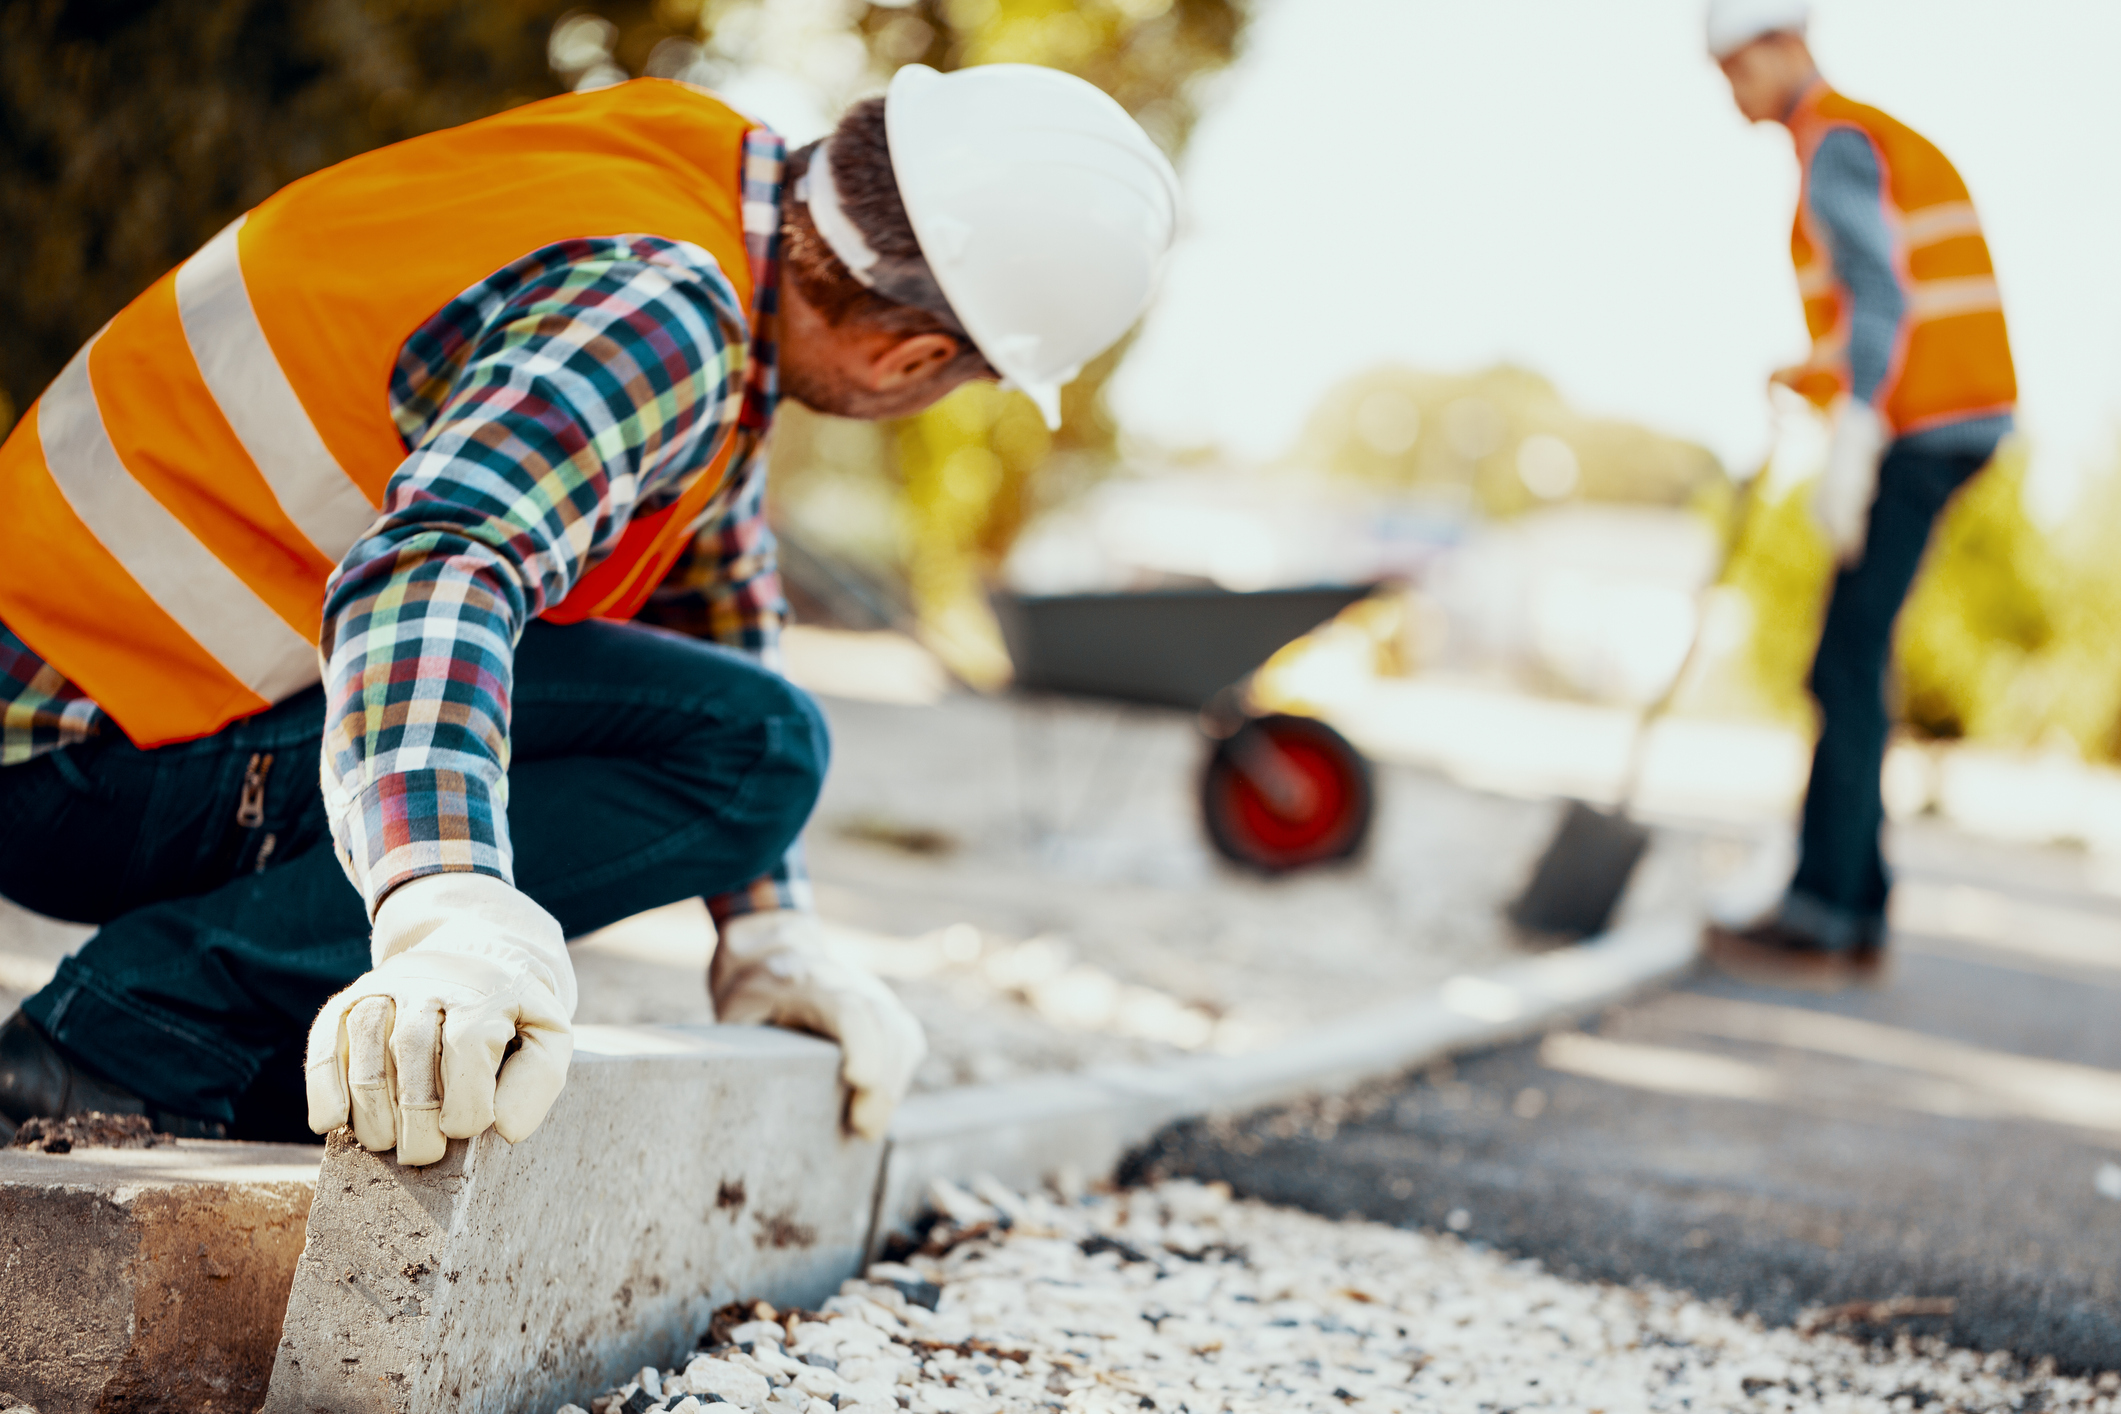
(1841, 502)
(416, 1052)
(775, 968)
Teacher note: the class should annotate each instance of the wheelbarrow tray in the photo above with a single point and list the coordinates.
(1172, 647)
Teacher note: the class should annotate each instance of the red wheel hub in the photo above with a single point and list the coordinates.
(1285, 792)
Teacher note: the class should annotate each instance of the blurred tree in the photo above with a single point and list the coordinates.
(1502, 440)
(1781, 566)
(2084, 605)
(967, 467)
(132, 130)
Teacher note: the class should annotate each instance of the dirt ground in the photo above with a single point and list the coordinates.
(1032, 876)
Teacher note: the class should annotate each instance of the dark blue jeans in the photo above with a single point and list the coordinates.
(1839, 892)
(646, 768)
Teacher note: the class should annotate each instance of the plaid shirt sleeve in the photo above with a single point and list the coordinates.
(541, 407)
(726, 588)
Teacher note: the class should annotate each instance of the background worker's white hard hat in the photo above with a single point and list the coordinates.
(1042, 207)
(1733, 24)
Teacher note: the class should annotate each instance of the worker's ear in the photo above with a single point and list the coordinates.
(910, 361)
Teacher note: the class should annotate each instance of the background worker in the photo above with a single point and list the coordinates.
(377, 478)
(1911, 361)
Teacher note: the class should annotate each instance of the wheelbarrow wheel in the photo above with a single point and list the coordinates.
(1283, 793)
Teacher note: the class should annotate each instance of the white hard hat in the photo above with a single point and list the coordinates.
(1733, 24)
(1043, 209)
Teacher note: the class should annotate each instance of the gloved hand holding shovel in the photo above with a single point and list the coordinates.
(1841, 502)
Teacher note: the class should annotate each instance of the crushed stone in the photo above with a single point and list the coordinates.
(1178, 1299)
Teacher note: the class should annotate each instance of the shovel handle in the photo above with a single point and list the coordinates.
(1733, 541)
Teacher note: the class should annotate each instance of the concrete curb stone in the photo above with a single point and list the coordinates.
(147, 1279)
(513, 1277)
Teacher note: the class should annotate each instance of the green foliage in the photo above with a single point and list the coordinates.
(1501, 439)
(1782, 567)
(2014, 628)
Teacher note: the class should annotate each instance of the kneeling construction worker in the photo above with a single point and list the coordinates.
(1911, 360)
(444, 466)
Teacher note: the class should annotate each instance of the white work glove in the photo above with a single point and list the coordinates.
(774, 968)
(413, 1053)
(1841, 502)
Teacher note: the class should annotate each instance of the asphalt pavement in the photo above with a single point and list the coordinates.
(1938, 1153)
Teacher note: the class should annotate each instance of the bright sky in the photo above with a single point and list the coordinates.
(1566, 186)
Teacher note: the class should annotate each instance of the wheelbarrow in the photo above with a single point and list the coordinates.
(1278, 792)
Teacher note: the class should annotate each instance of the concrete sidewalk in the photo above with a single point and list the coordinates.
(1952, 1135)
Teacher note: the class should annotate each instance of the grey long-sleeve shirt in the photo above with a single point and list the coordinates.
(1844, 190)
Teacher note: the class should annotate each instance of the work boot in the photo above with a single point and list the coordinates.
(37, 1080)
(1774, 954)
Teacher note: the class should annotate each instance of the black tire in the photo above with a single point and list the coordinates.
(1326, 809)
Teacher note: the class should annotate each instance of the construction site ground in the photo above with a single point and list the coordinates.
(1032, 876)
(1938, 1154)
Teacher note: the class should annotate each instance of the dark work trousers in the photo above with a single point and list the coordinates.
(1838, 894)
(646, 768)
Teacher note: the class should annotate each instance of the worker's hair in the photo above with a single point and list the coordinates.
(868, 192)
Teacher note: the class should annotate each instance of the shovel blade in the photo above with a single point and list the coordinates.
(1580, 878)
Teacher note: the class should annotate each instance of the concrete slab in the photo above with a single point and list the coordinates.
(1025, 1132)
(682, 1167)
(148, 1279)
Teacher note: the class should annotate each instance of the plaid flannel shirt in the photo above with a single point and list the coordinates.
(580, 385)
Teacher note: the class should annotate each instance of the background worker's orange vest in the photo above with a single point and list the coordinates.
(171, 507)
(1954, 359)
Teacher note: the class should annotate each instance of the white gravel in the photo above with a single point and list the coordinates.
(1176, 1298)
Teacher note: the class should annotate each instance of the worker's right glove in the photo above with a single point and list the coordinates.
(415, 1053)
(1841, 502)
(774, 968)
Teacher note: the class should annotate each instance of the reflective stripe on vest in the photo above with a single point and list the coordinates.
(173, 505)
(252, 391)
(1953, 359)
(220, 613)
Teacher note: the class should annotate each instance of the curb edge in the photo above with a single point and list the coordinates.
(1025, 1131)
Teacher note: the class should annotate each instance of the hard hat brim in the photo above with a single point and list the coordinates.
(1046, 396)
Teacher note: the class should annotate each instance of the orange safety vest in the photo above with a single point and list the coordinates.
(1953, 360)
(171, 507)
